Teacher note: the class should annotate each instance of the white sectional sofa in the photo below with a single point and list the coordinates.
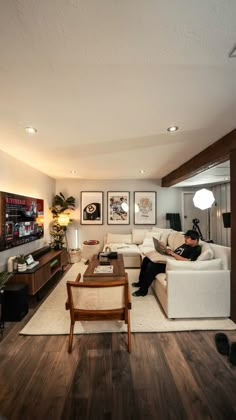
(123, 244)
(194, 289)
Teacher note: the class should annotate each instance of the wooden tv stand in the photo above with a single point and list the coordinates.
(49, 264)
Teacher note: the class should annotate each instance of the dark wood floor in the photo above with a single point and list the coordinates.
(167, 376)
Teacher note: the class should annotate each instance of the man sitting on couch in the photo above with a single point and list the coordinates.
(189, 251)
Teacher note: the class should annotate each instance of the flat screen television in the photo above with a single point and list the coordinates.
(21, 219)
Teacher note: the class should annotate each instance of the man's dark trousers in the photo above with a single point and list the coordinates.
(148, 272)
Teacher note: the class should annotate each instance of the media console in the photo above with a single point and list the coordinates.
(49, 264)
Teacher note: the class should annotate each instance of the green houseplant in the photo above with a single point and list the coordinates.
(21, 261)
(60, 209)
(58, 235)
(4, 277)
(60, 204)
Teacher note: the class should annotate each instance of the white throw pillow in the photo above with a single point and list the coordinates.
(148, 239)
(179, 240)
(171, 239)
(138, 235)
(175, 239)
(215, 264)
(119, 238)
(164, 235)
(206, 252)
(157, 229)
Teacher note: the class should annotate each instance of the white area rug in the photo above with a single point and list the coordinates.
(146, 315)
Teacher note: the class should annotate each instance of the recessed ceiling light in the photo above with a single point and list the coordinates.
(31, 130)
(173, 128)
(73, 172)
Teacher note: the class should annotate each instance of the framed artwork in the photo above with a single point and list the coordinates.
(118, 208)
(145, 207)
(91, 208)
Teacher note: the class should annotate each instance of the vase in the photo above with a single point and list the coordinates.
(22, 267)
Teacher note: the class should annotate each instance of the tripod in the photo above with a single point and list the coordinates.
(197, 228)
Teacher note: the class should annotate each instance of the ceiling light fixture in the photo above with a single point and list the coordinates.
(73, 172)
(172, 129)
(31, 130)
(141, 171)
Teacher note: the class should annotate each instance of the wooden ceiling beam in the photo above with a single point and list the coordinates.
(214, 154)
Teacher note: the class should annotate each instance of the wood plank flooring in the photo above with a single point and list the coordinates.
(167, 376)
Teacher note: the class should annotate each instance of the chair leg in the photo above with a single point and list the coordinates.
(71, 337)
(129, 334)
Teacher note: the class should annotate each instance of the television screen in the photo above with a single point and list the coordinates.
(21, 219)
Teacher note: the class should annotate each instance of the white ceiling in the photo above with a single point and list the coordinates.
(101, 80)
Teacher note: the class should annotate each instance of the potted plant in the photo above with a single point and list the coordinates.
(4, 277)
(21, 263)
(60, 204)
(58, 234)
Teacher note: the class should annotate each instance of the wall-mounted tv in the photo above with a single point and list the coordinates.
(21, 219)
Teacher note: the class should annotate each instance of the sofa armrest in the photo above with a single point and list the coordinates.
(198, 293)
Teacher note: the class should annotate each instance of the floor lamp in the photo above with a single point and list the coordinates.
(63, 221)
(203, 199)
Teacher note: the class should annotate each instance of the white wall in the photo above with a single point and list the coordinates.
(168, 201)
(219, 234)
(19, 178)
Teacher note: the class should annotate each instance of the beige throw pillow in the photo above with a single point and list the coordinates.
(206, 252)
(138, 235)
(119, 238)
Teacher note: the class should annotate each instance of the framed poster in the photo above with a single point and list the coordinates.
(145, 207)
(118, 208)
(91, 208)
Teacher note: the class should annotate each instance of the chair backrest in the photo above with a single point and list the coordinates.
(99, 299)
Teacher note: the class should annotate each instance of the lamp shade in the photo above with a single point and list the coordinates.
(63, 219)
(203, 199)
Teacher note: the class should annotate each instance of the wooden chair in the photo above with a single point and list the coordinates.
(98, 300)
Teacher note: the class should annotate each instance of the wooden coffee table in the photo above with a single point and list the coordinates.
(118, 270)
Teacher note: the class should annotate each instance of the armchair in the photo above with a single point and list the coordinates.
(98, 300)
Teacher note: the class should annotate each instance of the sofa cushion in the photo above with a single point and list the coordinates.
(148, 239)
(119, 238)
(206, 252)
(155, 256)
(138, 235)
(209, 265)
(161, 277)
(223, 252)
(125, 249)
(175, 239)
(164, 235)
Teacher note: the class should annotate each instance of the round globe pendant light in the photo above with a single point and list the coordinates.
(203, 199)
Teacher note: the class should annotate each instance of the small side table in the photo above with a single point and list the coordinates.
(90, 248)
(75, 255)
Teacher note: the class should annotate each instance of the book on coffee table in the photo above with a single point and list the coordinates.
(103, 269)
